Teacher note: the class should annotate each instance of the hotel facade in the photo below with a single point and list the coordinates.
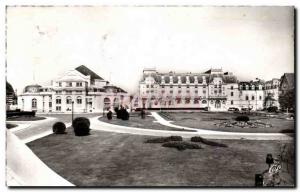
(81, 87)
(213, 90)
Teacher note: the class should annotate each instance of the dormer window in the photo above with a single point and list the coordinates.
(69, 84)
(59, 84)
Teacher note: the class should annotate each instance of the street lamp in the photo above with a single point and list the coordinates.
(72, 111)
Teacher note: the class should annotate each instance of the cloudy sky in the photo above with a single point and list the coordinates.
(118, 42)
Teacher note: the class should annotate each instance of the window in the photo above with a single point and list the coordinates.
(152, 86)
(178, 100)
(187, 86)
(68, 100)
(69, 84)
(79, 100)
(204, 102)
(247, 98)
(33, 103)
(196, 100)
(58, 100)
(58, 108)
(231, 102)
(171, 91)
(231, 93)
(162, 86)
(187, 91)
(231, 87)
(59, 84)
(50, 104)
(78, 84)
(204, 86)
(259, 97)
(58, 92)
(68, 92)
(163, 91)
(187, 100)
(252, 97)
(196, 86)
(152, 91)
(196, 91)
(106, 102)
(204, 91)
(220, 91)
(79, 92)
(171, 86)
(216, 86)
(147, 91)
(179, 91)
(179, 86)
(216, 92)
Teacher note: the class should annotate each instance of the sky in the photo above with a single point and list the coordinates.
(118, 42)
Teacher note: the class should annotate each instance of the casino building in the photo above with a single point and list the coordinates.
(83, 88)
(213, 90)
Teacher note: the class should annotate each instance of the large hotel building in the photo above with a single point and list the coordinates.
(213, 90)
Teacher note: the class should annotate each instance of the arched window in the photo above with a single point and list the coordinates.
(116, 102)
(136, 102)
(33, 103)
(69, 100)
(58, 100)
(79, 100)
(196, 100)
(204, 102)
(247, 98)
(106, 102)
(187, 100)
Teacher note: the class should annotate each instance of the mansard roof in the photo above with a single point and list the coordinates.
(86, 71)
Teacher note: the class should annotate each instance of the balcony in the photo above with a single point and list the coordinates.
(217, 97)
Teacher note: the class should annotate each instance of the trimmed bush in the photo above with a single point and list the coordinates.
(272, 109)
(124, 114)
(109, 115)
(59, 128)
(81, 126)
(181, 145)
(207, 142)
(164, 139)
(242, 118)
(118, 112)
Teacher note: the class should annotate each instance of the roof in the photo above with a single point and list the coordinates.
(86, 71)
(9, 88)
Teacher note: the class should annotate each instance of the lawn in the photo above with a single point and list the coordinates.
(136, 121)
(25, 118)
(115, 159)
(208, 120)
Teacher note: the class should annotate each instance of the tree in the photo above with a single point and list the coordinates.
(287, 100)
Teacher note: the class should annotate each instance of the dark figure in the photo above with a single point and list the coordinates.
(269, 160)
(109, 115)
(124, 114)
(143, 114)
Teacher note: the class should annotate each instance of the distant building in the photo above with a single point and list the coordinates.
(214, 89)
(88, 91)
(272, 93)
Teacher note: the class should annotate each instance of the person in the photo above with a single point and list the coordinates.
(109, 115)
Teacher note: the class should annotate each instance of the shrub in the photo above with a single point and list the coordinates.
(124, 114)
(118, 112)
(164, 139)
(242, 118)
(272, 109)
(109, 115)
(207, 142)
(59, 128)
(81, 126)
(181, 145)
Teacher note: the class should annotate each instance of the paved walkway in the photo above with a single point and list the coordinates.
(102, 126)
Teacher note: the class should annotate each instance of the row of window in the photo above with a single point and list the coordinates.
(70, 84)
(252, 98)
(68, 92)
